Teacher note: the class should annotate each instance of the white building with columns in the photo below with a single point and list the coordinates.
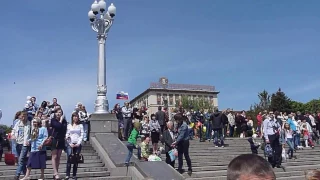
(157, 93)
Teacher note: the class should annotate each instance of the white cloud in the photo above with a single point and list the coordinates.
(68, 87)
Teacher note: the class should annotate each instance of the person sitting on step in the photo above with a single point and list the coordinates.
(145, 149)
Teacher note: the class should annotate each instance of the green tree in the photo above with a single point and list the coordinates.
(280, 102)
(297, 106)
(198, 103)
(265, 100)
(264, 104)
(312, 106)
(6, 129)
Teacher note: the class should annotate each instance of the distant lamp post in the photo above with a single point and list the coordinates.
(101, 20)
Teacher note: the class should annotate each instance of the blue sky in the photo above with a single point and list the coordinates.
(241, 47)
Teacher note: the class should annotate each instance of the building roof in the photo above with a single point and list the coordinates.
(174, 91)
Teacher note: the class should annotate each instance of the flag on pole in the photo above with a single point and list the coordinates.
(122, 95)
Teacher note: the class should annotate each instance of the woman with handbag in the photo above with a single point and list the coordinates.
(37, 157)
(59, 129)
(74, 138)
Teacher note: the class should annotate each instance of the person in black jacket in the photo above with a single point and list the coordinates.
(225, 122)
(168, 139)
(118, 112)
(217, 125)
(200, 120)
(160, 116)
(238, 119)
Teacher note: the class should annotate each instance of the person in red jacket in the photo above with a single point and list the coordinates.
(259, 122)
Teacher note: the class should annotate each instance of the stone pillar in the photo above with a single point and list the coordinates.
(103, 123)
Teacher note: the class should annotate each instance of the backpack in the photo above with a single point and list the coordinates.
(268, 151)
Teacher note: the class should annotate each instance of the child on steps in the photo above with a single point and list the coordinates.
(132, 142)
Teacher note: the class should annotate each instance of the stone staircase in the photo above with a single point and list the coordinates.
(92, 168)
(210, 163)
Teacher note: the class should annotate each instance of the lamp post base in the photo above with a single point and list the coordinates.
(103, 123)
(101, 105)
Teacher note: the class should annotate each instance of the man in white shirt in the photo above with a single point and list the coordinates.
(127, 120)
(231, 121)
(271, 133)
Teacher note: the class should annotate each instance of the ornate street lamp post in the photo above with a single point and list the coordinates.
(101, 21)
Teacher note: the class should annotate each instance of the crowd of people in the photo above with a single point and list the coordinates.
(279, 129)
(157, 128)
(37, 129)
(281, 133)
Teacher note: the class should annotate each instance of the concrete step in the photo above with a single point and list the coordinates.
(108, 178)
(61, 167)
(224, 173)
(92, 168)
(50, 171)
(292, 178)
(64, 157)
(225, 178)
(225, 164)
(288, 168)
(83, 153)
(2, 164)
(210, 163)
(298, 153)
(83, 175)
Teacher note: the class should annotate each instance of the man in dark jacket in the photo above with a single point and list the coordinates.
(160, 116)
(217, 125)
(168, 139)
(225, 122)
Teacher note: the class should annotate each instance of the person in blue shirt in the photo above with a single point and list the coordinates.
(291, 123)
(182, 142)
(37, 157)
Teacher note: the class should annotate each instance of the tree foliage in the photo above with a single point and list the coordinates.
(265, 100)
(280, 102)
(5, 129)
(297, 106)
(196, 104)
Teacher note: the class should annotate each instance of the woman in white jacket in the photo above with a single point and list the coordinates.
(74, 138)
(21, 133)
(84, 120)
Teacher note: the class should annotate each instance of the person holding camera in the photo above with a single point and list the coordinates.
(271, 133)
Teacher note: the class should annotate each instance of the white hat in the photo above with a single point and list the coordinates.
(28, 97)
